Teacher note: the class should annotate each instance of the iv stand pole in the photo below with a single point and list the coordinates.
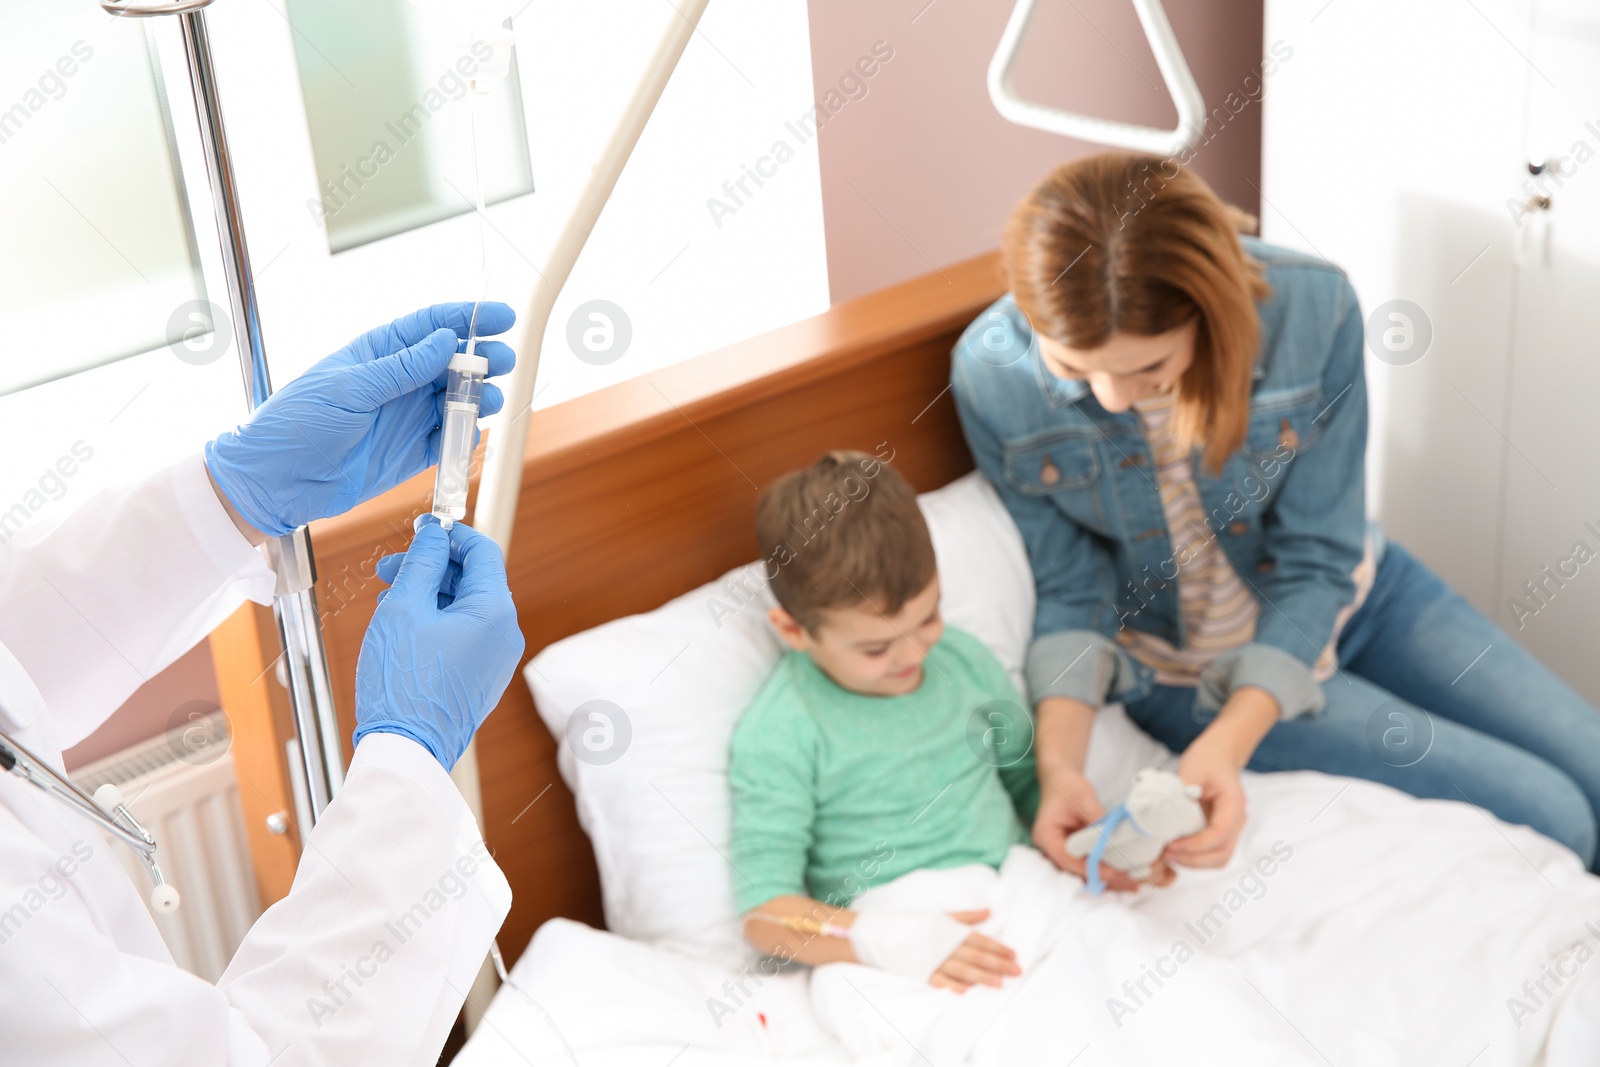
(294, 600)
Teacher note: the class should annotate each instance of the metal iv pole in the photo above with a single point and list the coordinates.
(294, 600)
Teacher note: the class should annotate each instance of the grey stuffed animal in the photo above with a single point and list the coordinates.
(1160, 808)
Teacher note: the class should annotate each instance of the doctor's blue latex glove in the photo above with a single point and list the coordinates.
(357, 424)
(443, 644)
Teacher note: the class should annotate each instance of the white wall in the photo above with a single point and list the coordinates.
(687, 284)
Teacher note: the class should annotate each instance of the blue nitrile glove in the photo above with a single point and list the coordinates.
(357, 424)
(442, 645)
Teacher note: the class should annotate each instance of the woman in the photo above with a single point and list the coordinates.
(1176, 419)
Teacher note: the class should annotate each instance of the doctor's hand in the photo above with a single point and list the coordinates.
(442, 645)
(357, 424)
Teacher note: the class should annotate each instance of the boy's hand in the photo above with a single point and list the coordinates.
(1067, 803)
(978, 960)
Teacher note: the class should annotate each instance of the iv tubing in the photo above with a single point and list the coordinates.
(483, 219)
(464, 384)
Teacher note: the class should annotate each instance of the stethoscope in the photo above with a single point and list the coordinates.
(105, 808)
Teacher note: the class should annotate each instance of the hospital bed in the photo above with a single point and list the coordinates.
(1355, 924)
(1399, 931)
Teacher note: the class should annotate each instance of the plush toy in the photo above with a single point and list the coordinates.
(1160, 808)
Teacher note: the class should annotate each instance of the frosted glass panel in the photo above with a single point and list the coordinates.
(97, 258)
(387, 103)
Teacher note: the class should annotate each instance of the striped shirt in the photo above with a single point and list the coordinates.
(1219, 611)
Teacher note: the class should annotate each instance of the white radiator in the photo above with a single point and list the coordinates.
(187, 796)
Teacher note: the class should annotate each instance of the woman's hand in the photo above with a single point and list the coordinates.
(1067, 803)
(1222, 798)
(978, 960)
(1213, 762)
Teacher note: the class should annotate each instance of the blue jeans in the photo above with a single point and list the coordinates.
(1434, 699)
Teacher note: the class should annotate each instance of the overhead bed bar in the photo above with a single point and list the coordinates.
(1169, 58)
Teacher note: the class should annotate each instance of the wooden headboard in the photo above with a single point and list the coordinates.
(630, 496)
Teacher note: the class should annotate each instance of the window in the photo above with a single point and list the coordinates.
(390, 113)
(689, 274)
(98, 249)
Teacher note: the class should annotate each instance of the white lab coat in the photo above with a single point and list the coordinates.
(369, 957)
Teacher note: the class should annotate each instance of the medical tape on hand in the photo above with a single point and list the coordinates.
(809, 927)
(914, 944)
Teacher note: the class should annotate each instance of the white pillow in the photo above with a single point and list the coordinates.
(644, 709)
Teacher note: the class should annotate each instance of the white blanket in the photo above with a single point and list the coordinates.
(1355, 925)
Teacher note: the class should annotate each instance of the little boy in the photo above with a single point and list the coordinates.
(883, 743)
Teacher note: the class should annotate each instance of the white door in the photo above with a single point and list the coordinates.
(1550, 577)
(1390, 137)
(1397, 143)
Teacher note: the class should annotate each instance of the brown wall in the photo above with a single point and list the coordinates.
(921, 171)
(188, 685)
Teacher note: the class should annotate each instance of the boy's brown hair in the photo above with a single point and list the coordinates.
(844, 531)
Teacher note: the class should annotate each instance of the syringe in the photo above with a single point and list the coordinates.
(463, 390)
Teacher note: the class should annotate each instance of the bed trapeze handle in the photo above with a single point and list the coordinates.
(1174, 72)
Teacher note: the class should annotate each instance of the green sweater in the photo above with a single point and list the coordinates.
(835, 791)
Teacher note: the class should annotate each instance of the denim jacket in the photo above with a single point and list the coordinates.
(1288, 508)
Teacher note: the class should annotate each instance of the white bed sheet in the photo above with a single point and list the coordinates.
(1397, 931)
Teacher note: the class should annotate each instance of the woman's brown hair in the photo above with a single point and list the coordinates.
(1122, 242)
